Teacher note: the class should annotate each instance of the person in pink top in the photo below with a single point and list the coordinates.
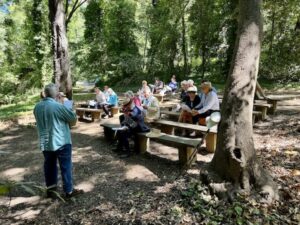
(136, 100)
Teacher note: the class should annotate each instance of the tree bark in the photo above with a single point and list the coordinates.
(184, 46)
(235, 159)
(62, 73)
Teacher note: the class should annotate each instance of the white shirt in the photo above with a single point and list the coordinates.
(209, 101)
(101, 99)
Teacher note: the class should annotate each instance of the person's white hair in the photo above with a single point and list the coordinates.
(129, 94)
(184, 82)
(51, 90)
(191, 82)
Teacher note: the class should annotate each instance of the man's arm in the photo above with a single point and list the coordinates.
(67, 115)
(210, 102)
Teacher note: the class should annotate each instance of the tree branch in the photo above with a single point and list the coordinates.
(76, 5)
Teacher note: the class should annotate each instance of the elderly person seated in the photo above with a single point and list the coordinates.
(158, 86)
(209, 104)
(151, 107)
(184, 87)
(135, 98)
(173, 84)
(192, 101)
(145, 87)
(100, 98)
(112, 101)
(132, 124)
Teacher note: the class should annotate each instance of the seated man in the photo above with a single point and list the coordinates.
(209, 104)
(132, 124)
(111, 102)
(158, 86)
(151, 107)
(192, 101)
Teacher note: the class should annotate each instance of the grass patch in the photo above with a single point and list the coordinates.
(12, 111)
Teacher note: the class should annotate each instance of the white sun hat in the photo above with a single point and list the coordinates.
(213, 119)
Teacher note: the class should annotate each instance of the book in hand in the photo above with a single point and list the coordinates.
(186, 108)
(68, 104)
(120, 128)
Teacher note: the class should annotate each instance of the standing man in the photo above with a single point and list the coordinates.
(53, 119)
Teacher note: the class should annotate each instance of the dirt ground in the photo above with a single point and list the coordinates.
(141, 189)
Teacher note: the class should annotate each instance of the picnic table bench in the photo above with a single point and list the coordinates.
(95, 113)
(169, 126)
(185, 146)
(255, 114)
(273, 99)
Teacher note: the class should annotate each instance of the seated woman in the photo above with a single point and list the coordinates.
(191, 102)
(111, 102)
(132, 124)
(173, 84)
(151, 107)
(209, 104)
(145, 87)
(136, 100)
(100, 98)
(184, 87)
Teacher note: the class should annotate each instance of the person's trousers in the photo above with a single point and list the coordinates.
(64, 158)
(198, 117)
(123, 139)
(106, 108)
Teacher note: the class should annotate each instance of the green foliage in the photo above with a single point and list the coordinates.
(121, 42)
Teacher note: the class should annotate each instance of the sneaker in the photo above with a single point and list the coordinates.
(193, 134)
(74, 193)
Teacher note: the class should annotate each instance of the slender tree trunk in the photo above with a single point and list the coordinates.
(272, 31)
(203, 61)
(184, 46)
(62, 73)
(235, 158)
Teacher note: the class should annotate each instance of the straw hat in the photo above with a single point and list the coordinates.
(213, 119)
(206, 84)
(126, 101)
(154, 133)
(192, 89)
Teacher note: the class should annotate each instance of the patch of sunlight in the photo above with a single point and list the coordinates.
(164, 189)
(14, 174)
(26, 214)
(34, 200)
(89, 184)
(141, 173)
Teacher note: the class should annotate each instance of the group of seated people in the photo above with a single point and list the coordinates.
(196, 107)
(105, 100)
(159, 86)
(143, 107)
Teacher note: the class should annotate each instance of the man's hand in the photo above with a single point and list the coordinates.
(195, 112)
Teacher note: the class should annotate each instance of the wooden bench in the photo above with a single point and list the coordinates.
(159, 97)
(273, 99)
(114, 110)
(95, 113)
(172, 114)
(169, 126)
(263, 108)
(185, 146)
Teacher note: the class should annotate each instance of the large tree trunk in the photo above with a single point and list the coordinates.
(235, 158)
(62, 73)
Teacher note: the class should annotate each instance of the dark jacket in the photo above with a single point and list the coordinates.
(193, 104)
(137, 116)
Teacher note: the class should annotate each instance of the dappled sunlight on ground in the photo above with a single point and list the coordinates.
(121, 190)
(140, 173)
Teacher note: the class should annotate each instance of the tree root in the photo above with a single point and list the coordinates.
(254, 181)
